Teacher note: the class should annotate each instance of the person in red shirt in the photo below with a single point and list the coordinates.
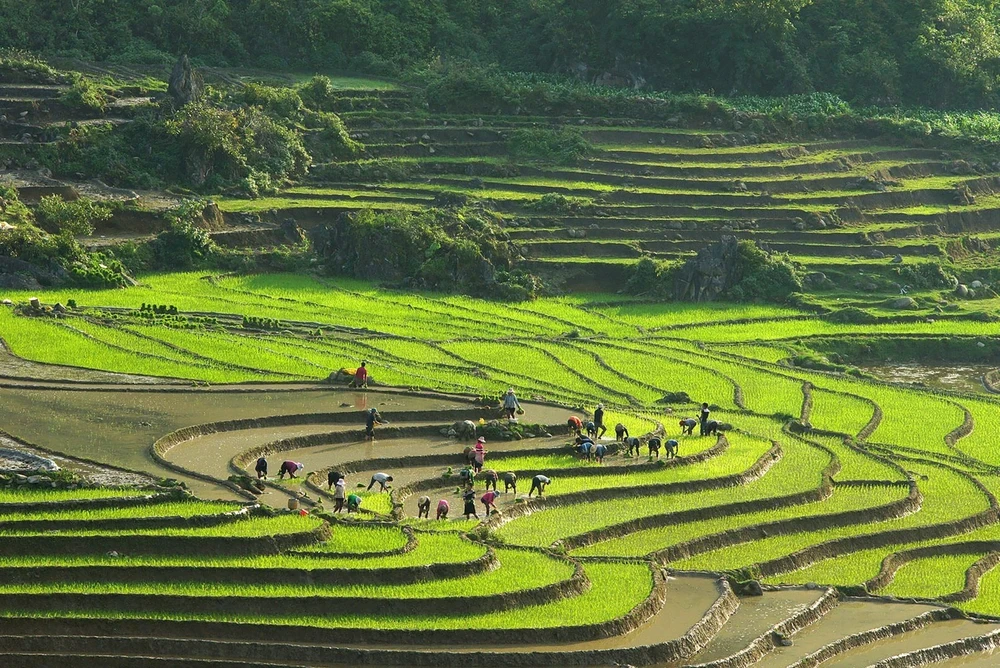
(575, 424)
(361, 376)
(489, 500)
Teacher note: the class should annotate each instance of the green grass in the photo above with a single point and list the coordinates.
(244, 528)
(645, 542)
(947, 497)
(931, 577)
(178, 509)
(31, 494)
(349, 538)
(616, 589)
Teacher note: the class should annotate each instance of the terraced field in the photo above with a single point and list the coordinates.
(866, 510)
(824, 479)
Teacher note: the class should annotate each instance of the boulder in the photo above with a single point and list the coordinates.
(898, 259)
(185, 85)
(962, 290)
(902, 303)
(464, 428)
(975, 285)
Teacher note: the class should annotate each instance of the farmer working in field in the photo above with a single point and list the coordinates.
(632, 444)
(591, 430)
(654, 446)
(491, 478)
(372, 419)
(361, 376)
(289, 467)
(511, 405)
(442, 509)
(703, 417)
(510, 482)
(621, 432)
(261, 468)
(340, 495)
(332, 477)
(688, 425)
(599, 451)
(381, 479)
(575, 424)
(489, 500)
(585, 446)
(709, 428)
(599, 421)
(672, 446)
(538, 482)
(353, 503)
(424, 507)
(480, 455)
(469, 497)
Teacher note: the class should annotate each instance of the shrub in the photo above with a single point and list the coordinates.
(562, 146)
(78, 217)
(87, 96)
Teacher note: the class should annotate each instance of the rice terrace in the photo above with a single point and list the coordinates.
(334, 336)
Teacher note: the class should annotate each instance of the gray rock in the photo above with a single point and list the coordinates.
(976, 285)
(876, 253)
(902, 303)
(962, 290)
(898, 259)
(185, 84)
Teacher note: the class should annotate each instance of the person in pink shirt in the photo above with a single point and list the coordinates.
(479, 456)
(489, 500)
(443, 508)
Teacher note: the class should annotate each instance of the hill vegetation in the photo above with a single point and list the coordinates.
(932, 52)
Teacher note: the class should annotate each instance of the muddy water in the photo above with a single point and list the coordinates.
(844, 620)
(755, 616)
(961, 378)
(118, 427)
(984, 660)
(937, 633)
(688, 598)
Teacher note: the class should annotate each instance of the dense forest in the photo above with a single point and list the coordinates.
(942, 53)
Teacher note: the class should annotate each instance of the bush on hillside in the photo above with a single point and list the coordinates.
(562, 146)
(78, 217)
(456, 250)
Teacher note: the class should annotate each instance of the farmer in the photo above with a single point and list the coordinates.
(361, 376)
(591, 430)
(599, 451)
(469, 496)
(632, 443)
(654, 446)
(381, 479)
(687, 426)
(710, 427)
(599, 420)
(510, 482)
(261, 468)
(340, 495)
(510, 404)
(489, 500)
(621, 432)
(585, 446)
(672, 446)
(289, 467)
(575, 424)
(353, 503)
(467, 475)
(538, 482)
(372, 419)
(479, 456)
(442, 509)
(424, 507)
(332, 477)
(703, 417)
(491, 478)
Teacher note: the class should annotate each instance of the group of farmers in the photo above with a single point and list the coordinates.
(589, 444)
